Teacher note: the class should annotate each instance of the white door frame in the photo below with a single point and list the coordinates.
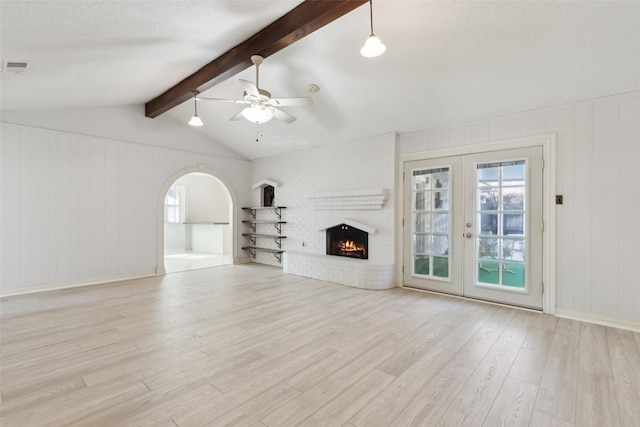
(233, 208)
(548, 144)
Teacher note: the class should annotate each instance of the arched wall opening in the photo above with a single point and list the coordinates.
(196, 224)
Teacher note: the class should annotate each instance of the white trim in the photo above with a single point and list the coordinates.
(599, 319)
(233, 214)
(349, 200)
(548, 144)
(75, 284)
(265, 182)
(507, 144)
(352, 223)
(549, 219)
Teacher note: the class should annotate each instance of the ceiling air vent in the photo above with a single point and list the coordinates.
(14, 66)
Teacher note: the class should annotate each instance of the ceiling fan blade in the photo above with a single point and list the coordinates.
(239, 115)
(290, 102)
(236, 101)
(281, 115)
(250, 88)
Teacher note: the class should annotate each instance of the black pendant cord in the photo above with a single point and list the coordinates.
(195, 100)
(371, 15)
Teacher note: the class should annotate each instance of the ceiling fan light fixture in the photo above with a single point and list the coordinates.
(258, 114)
(372, 46)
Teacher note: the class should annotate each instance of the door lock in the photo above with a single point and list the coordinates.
(468, 235)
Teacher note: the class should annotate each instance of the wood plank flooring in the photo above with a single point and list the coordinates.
(251, 346)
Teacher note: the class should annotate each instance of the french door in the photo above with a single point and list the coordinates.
(473, 225)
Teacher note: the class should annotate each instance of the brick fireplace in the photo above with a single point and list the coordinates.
(347, 269)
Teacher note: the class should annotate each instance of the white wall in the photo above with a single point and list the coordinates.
(124, 123)
(77, 209)
(175, 238)
(207, 199)
(358, 165)
(598, 172)
(209, 238)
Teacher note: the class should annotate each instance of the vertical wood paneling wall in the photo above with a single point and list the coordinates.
(77, 209)
(598, 172)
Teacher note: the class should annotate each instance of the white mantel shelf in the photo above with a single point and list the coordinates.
(349, 200)
(358, 273)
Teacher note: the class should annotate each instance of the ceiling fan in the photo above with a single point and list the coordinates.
(261, 107)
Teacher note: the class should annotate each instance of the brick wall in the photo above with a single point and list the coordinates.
(356, 166)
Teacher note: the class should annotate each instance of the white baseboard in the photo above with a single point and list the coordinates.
(75, 284)
(244, 260)
(600, 319)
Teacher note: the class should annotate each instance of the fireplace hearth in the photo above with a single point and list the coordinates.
(347, 241)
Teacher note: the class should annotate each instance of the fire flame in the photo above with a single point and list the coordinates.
(349, 246)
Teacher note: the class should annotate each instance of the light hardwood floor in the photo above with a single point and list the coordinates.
(250, 346)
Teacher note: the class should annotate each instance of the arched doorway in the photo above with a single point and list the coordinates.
(197, 223)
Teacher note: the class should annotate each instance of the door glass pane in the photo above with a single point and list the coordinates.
(421, 182)
(513, 198)
(421, 265)
(513, 250)
(441, 266)
(501, 214)
(488, 248)
(513, 224)
(421, 243)
(440, 245)
(513, 174)
(488, 224)
(489, 272)
(441, 223)
(423, 222)
(441, 179)
(422, 200)
(441, 200)
(513, 275)
(431, 222)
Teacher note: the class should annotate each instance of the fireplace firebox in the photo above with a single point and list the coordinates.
(347, 241)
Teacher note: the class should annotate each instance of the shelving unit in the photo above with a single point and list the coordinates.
(254, 236)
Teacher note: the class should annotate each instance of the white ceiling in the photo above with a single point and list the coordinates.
(447, 62)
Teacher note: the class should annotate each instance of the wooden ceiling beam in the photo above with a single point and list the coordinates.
(304, 19)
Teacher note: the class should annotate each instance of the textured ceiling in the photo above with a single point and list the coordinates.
(446, 62)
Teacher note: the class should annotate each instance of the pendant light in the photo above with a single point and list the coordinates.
(372, 46)
(195, 120)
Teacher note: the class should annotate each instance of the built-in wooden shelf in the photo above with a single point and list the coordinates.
(252, 210)
(253, 237)
(253, 249)
(205, 223)
(273, 236)
(258, 221)
(259, 249)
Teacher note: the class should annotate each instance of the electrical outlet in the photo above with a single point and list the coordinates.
(304, 244)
